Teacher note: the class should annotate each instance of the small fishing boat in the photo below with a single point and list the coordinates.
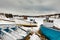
(12, 32)
(50, 32)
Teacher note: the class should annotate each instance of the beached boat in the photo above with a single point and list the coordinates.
(50, 33)
(12, 32)
(48, 30)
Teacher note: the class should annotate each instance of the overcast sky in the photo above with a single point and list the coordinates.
(30, 7)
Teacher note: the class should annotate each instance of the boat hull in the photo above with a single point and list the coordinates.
(50, 33)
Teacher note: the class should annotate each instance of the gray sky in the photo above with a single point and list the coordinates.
(30, 7)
